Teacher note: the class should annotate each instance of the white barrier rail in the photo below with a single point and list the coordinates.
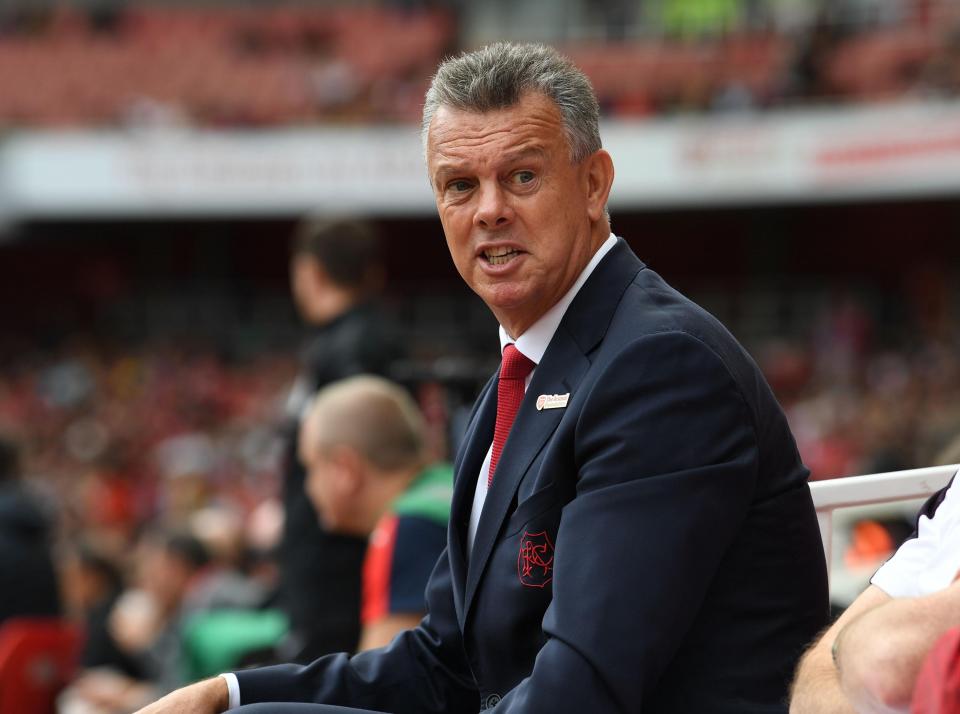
(870, 489)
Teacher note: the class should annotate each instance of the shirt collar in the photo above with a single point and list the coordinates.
(533, 343)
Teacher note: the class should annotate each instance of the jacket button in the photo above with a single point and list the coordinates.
(491, 701)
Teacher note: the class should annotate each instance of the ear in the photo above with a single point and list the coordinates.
(318, 274)
(599, 179)
(351, 472)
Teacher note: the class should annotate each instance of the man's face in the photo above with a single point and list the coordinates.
(163, 575)
(518, 215)
(322, 489)
(331, 482)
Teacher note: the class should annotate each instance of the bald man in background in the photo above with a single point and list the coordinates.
(362, 443)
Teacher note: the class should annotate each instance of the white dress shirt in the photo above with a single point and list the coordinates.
(929, 562)
(532, 344)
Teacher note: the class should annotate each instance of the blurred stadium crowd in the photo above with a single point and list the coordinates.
(117, 435)
(221, 65)
(857, 405)
(107, 439)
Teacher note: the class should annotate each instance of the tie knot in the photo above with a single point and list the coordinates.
(515, 365)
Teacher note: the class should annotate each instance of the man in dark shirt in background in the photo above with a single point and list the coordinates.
(335, 273)
(28, 582)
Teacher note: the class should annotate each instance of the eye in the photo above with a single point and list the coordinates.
(459, 186)
(522, 177)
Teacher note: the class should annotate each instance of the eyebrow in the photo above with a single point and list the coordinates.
(447, 168)
(531, 151)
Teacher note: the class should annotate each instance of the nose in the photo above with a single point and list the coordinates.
(493, 210)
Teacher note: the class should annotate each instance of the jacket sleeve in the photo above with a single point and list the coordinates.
(423, 670)
(667, 459)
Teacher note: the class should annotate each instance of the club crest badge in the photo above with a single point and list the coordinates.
(535, 561)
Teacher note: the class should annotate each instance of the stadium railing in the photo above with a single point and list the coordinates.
(873, 489)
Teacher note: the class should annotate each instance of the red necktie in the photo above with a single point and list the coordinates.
(513, 371)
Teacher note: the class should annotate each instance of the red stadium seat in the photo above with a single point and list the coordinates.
(38, 657)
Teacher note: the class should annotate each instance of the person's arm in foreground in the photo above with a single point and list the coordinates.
(816, 689)
(880, 652)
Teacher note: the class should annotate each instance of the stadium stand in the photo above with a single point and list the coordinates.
(223, 66)
(216, 66)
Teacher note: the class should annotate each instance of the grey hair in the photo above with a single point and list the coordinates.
(372, 415)
(498, 75)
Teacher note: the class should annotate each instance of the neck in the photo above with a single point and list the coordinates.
(599, 233)
(332, 304)
(389, 486)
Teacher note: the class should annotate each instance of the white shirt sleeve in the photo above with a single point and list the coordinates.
(233, 688)
(930, 561)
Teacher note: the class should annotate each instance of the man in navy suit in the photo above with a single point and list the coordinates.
(642, 538)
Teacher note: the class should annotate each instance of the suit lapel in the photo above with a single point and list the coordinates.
(476, 442)
(560, 371)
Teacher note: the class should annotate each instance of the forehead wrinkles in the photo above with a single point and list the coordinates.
(456, 141)
(480, 142)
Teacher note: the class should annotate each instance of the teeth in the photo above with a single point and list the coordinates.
(499, 256)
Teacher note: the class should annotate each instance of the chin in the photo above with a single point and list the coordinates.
(503, 297)
(353, 530)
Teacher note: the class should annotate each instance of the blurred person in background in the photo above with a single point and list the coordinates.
(146, 625)
(225, 581)
(93, 582)
(262, 532)
(28, 581)
(187, 462)
(336, 273)
(363, 445)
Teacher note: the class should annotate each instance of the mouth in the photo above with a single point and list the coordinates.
(499, 256)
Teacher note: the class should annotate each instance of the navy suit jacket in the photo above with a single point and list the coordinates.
(650, 547)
